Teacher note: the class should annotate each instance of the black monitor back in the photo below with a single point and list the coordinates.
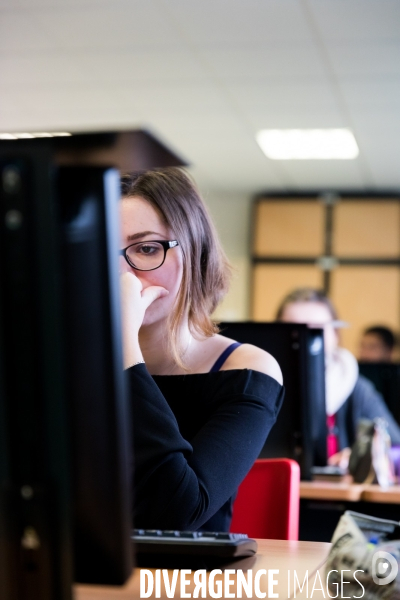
(386, 379)
(300, 430)
(64, 423)
(96, 386)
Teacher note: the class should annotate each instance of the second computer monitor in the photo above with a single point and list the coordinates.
(300, 431)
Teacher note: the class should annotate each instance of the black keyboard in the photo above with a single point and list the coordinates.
(192, 549)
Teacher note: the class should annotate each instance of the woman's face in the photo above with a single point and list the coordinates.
(141, 222)
(313, 314)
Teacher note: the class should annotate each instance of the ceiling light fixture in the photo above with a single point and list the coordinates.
(308, 144)
(36, 134)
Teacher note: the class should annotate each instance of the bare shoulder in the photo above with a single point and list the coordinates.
(248, 356)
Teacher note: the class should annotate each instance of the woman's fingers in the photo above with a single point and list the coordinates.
(131, 285)
(133, 292)
(152, 293)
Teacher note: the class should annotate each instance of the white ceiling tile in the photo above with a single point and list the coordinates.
(51, 4)
(272, 95)
(324, 175)
(85, 67)
(361, 94)
(279, 61)
(215, 123)
(354, 20)
(382, 150)
(21, 31)
(365, 59)
(375, 121)
(126, 25)
(177, 98)
(219, 22)
(205, 76)
(295, 117)
(139, 24)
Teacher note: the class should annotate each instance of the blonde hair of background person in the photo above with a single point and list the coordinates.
(349, 396)
(196, 432)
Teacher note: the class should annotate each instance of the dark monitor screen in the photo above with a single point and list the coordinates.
(300, 430)
(386, 379)
(65, 468)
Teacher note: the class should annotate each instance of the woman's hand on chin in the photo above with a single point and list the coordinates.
(135, 302)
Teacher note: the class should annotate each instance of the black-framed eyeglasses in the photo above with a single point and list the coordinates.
(148, 255)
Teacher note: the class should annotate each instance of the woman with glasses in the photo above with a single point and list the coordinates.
(203, 405)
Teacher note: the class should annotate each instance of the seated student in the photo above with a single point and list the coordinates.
(349, 396)
(377, 344)
(203, 405)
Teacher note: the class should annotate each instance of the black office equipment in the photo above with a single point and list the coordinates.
(300, 431)
(386, 379)
(192, 549)
(64, 427)
(96, 387)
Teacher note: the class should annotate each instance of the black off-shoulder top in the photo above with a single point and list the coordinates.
(195, 438)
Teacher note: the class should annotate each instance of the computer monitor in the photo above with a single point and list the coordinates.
(386, 379)
(65, 466)
(300, 430)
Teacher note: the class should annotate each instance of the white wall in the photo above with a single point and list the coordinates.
(231, 215)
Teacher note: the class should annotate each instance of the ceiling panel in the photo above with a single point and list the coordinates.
(365, 59)
(86, 67)
(121, 25)
(295, 116)
(361, 94)
(278, 61)
(353, 20)
(320, 174)
(272, 95)
(23, 30)
(205, 76)
(219, 22)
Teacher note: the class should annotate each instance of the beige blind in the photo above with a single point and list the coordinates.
(367, 229)
(289, 228)
(365, 296)
(273, 282)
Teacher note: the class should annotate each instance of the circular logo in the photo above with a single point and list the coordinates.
(384, 568)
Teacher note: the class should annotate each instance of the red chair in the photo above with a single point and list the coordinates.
(267, 503)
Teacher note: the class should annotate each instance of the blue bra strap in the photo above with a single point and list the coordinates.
(221, 359)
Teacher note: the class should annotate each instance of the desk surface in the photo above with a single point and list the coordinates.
(329, 490)
(272, 554)
(351, 492)
(374, 493)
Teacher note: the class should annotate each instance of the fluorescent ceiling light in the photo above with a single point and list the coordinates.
(37, 134)
(308, 144)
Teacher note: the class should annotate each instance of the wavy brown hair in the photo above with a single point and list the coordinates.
(206, 270)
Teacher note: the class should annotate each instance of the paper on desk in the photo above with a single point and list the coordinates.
(364, 558)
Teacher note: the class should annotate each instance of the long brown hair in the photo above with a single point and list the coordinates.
(206, 270)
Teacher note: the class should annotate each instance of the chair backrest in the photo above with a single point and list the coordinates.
(267, 503)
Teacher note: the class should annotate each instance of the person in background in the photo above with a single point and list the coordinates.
(377, 344)
(203, 404)
(349, 396)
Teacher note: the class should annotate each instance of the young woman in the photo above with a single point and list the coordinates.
(349, 396)
(203, 405)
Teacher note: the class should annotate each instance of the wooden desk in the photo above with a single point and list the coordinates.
(323, 502)
(328, 490)
(374, 493)
(272, 554)
(350, 492)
